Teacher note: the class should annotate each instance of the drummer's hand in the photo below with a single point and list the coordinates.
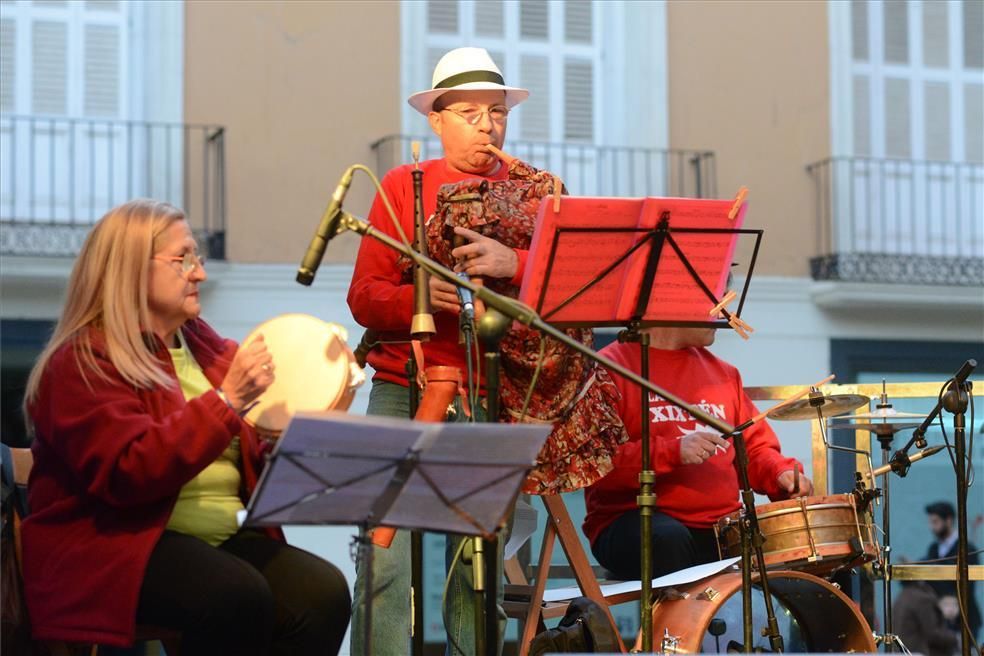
(250, 374)
(787, 481)
(484, 256)
(443, 296)
(700, 446)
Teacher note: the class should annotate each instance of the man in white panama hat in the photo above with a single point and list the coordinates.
(467, 108)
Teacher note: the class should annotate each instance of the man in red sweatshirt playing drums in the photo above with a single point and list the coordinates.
(696, 482)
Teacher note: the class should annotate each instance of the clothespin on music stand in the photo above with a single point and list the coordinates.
(739, 199)
(558, 186)
(735, 322)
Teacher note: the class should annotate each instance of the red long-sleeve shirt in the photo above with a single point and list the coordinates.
(378, 297)
(696, 495)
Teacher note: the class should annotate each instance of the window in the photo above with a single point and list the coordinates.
(549, 47)
(908, 111)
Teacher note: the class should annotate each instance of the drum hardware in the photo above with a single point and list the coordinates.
(826, 405)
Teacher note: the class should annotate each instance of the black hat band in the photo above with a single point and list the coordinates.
(470, 76)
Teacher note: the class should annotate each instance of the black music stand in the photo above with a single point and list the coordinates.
(333, 468)
(643, 248)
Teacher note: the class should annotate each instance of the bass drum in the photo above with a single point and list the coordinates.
(315, 370)
(813, 616)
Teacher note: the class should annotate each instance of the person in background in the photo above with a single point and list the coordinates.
(696, 483)
(943, 550)
(142, 465)
(919, 620)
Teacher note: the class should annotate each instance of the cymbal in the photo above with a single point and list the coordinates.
(829, 406)
(887, 413)
(878, 427)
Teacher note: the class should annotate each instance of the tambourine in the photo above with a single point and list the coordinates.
(315, 370)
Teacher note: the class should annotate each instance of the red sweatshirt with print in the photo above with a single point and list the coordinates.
(696, 495)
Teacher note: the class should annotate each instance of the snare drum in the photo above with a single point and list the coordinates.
(315, 370)
(819, 535)
(813, 616)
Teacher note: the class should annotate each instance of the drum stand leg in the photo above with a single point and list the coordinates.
(751, 540)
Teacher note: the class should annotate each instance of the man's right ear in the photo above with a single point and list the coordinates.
(434, 118)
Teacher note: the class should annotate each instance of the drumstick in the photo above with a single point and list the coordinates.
(796, 480)
(759, 417)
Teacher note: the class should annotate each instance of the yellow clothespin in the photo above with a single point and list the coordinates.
(716, 310)
(739, 326)
(558, 186)
(739, 199)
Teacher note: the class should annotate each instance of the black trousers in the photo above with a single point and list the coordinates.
(250, 595)
(675, 546)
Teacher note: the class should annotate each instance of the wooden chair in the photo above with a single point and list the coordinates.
(525, 601)
(22, 460)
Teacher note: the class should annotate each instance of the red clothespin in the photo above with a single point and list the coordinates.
(739, 199)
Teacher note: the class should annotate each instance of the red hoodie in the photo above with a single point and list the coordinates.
(696, 495)
(378, 297)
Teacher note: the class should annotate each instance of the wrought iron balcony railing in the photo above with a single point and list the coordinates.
(58, 176)
(899, 221)
(589, 170)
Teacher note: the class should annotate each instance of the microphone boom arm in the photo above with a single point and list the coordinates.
(526, 316)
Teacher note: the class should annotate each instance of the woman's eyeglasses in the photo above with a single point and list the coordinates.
(188, 261)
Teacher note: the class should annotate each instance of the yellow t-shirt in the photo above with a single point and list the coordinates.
(207, 504)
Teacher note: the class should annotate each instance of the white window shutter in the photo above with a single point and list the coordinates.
(489, 18)
(442, 16)
(49, 59)
(859, 29)
(935, 27)
(973, 33)
(534, 19)
(974, 123)
(898, 136)
(896, 32)
(102, 71)
(535, 111)
(862, 115)
(578, 100)
(936, 101)
(102, 5)
(577, 21)
(8, 65)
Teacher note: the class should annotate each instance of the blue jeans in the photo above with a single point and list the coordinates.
(391, 620)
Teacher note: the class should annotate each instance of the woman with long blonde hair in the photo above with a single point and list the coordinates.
(142, 464)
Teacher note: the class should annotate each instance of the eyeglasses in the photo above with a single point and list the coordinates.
(497, 114)
(188, 261)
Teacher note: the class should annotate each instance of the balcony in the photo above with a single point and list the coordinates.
(58, 176)
(589, 170)
(899, 221)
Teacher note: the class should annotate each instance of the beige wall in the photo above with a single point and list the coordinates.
(303, 89)
(750, 81)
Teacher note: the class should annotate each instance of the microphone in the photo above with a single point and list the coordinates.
(328, 228)
(465, 298)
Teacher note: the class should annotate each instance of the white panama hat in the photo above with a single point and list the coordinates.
(465, 69)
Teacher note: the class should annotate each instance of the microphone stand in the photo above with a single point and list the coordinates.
(527, 316)
(421, 328)
(954, 401)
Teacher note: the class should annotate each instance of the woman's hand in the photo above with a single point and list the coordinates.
(700, 446)
(249, 376)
